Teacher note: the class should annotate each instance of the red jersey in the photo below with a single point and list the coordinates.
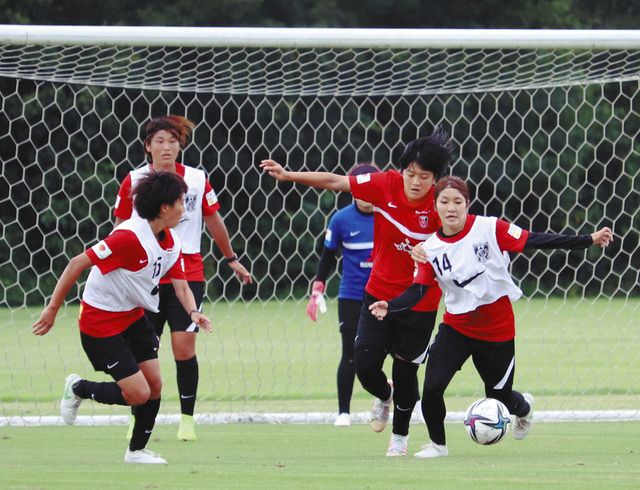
(124, 251)
(194, 267)
(398, 225)
(493, 322)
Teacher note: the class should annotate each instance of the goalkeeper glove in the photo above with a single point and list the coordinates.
(316, 301)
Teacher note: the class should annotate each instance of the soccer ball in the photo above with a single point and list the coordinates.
(487, 421)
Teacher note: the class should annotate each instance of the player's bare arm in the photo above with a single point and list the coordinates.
(319, 180)
(220, 235)
(70, 275)
(602, 237)
(188, 302)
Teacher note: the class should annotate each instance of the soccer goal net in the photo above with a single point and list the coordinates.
(547, 128)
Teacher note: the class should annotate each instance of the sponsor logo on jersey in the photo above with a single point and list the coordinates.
(391, 205)
(211, 198)
(101, 249)
(515, 231)
(363, 178)
(404, 246)
(422, 212)
(189, 202)
(482, 251)
(354, 233)
(423, 221)
(366, 265)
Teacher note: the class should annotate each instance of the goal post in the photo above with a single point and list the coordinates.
(547, 128)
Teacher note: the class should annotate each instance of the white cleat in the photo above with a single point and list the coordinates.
(70, 401)
(143, 456)
(380, 411)
(432, 450)
(523, 425)
(343, 420)
(397, 446)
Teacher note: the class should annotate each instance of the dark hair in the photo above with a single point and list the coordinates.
(363, 168)
(178, 126)
(156, 189)
(452, 182)
(433, 153)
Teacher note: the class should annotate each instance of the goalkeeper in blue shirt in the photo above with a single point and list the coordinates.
(350, 230)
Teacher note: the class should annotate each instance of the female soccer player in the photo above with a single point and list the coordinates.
(124, 279)
(350, 229)
(404, 215)
(165, 137)
(468, 258)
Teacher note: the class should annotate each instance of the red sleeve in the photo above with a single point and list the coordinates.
(120, 250)
(124, 202)
(210, 204)
(370, 187)
(177, 271)
(424, 274)
(511, 238)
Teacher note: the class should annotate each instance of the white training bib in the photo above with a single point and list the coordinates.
(124, 290)
(472, 271)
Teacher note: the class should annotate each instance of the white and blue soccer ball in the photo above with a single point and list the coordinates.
(487, 421)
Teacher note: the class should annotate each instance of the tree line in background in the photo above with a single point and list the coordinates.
(548, 159)
(534, 14)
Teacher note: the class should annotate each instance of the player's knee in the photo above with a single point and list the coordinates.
(369, 359)
(155, 388)
(137, 395)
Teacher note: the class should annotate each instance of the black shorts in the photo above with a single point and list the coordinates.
(119, 355)
(494, 361)
(172, 311)
(405, 334)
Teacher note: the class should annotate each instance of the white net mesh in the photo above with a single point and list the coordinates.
(547, 138)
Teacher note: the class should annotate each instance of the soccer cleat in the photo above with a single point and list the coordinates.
(187, 428)
(132, 422)
(343, 420)
(397, 445)
(143, 456)
(432, 450)
(523, 425)
(70, 401)
(380, 411)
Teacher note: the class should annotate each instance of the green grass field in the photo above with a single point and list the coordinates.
(563, 456)
(270, 358)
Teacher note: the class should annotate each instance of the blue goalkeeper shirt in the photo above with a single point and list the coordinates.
(352, 230)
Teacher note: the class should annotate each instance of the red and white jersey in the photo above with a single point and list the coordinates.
(200, 200)
(398, 226)
(472, 268)
(124, 279)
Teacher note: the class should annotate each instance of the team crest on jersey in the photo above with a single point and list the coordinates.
(423, 221)
(190, 202)
(482, 251)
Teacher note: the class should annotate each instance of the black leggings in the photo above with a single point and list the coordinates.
(494, 361)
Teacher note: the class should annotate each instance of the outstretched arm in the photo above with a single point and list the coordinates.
(319, 180)
(601, 238)
(70, 275)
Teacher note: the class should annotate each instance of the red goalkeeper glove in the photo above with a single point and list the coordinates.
(316, 301)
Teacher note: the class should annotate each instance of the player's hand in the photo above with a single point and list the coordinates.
(202, 321)
(243, 275)
(418, 254)
(379, 309)
(316, 301)
(274, 169)
(45, 322)
(602, 237)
